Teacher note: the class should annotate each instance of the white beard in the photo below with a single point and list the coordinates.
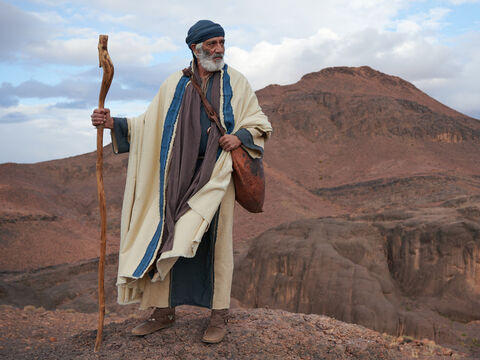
(208, 62)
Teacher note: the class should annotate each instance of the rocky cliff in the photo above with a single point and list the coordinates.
(404, 272)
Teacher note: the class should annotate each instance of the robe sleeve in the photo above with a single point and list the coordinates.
(252, 126)
(247, 141)
(120, 136)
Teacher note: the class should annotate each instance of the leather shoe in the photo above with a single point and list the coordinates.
(217, 327)
(161, 318)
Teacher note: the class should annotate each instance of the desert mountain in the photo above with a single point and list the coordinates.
(345, 125)
(372, 212)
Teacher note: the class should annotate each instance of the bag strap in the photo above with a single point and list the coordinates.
(211, 113)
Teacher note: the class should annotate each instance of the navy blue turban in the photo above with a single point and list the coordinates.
(203, 30)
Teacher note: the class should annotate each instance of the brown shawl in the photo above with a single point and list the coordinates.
(184, 180)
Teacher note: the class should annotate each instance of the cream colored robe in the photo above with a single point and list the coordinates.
(151, 142)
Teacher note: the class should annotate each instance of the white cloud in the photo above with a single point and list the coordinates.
(433, 20)
(44, 132)
(408, 27)
(460, 90)
(47, 37)
(125, 19)
(18, 30)
(49, 17)
(460, 2)
(449, 74)
(263, 20)
(282, 63)
(412, 57)
(124, 47)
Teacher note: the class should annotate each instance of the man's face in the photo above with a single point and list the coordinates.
(210, 54)
(215, 46)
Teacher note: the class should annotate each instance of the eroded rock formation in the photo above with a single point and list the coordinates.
(402, 272)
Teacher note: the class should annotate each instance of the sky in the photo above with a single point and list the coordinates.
(50, 79)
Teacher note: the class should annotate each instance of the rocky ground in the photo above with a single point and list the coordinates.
(34, 333)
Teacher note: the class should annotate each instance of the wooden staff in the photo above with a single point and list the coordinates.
(106, 63)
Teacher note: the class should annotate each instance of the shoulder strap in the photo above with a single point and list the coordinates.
(211, 113)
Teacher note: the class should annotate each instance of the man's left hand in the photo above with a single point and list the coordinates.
(229, 142)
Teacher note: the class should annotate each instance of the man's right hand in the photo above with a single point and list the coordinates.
(102, 117)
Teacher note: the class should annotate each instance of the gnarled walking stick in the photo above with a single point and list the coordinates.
(106, 64)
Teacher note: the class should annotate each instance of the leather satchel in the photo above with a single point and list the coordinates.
(248, 174)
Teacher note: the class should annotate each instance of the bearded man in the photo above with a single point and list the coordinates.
(177, 214)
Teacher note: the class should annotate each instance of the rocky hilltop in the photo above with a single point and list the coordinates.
(253, 334)
(372, 217)
(346, 125)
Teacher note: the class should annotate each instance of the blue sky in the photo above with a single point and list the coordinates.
(49, 75)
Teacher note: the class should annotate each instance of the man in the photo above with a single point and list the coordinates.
(177, 215)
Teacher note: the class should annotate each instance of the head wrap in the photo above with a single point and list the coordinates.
(203, 30)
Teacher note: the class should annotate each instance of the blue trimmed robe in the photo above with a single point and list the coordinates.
(206, 228)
